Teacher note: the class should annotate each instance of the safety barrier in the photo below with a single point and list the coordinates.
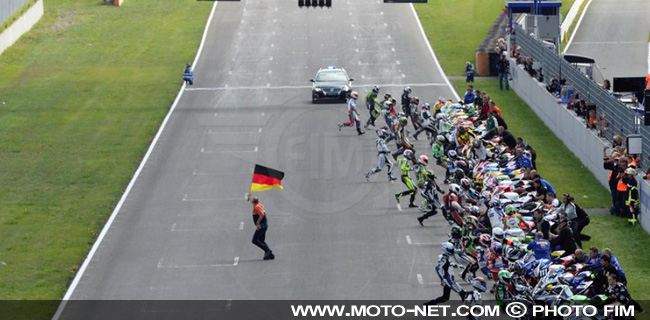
(572, 131)
(9, 7)
(21, 25)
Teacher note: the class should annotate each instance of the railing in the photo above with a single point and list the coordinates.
(619, 118)
(9, 7)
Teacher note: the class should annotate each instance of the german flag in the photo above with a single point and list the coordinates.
(266, 179)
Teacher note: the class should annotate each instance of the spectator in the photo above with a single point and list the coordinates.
(541, 224)
(593, 263)
(549, 187)
(563, 237)
(533, 155)
(552, 87)
(478, 101)
(591, 120)
(188, 74)
(491, 126)
(579, 256)
(569, 208)
(504, 69)
(470, 95)
(521, 160)
(614, 261)
(606, 269)
(500, 121)
(507, 138)
(495, 108)
(469, 72)
(539, 189)
(519, 57)
(606, 85)
(540, 246)
(616, 166)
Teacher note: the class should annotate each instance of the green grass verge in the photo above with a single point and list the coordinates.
(445, 22)
(82, 95)
(555, 162)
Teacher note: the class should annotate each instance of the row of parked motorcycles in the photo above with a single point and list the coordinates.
(502, 255)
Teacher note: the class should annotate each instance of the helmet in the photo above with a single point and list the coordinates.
(375, 89)
(440, 138)
(429, 174)
(512, 253)
(407, 89)
(354, 94)
(403, 121)
(485, 240)
(456, 233)
(497, 247)
(424, 160)
(408, 154)
(426, 106)
(497, 234)
(448, 248)
(387, 96)
(630, 171)
(465, 183)
(474, 210)
(486, 194)
(382, 133)
(519, 267)
(494, 203)
(415, 100)
(401, 114)
(479, 284)
(510, 209)
(505, 276)
(461, 130)
(454, 188)
(452, 154)
(388, 103)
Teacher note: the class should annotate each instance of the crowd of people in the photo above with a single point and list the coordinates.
(505, 219)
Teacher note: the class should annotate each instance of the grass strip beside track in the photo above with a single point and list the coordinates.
(455, 29)
(81, 97)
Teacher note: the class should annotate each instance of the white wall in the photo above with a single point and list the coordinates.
(571, 130)
(20, 26)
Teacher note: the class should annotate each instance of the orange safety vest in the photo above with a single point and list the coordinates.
(647, 81)
(632, 162)
(621, 186)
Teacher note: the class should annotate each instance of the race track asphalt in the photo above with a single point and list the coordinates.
(184, 231)
(615, 34)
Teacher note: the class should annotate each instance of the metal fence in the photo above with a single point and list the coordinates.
(618, 118)
(9, 7)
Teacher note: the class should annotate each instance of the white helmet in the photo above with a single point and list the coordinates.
(448, 248)
(454, 188)
(375, 89)
(407, 89)
(408, 154)
(497, 234)
(354, 94)
(452, 154)
(440, 138)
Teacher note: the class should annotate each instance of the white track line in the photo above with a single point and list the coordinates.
(108, 224)
(233, 264)
(568, 44)
(433, 55)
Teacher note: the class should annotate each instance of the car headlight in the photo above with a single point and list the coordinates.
(317, 89)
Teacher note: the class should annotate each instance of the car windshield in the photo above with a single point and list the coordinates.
(331, 76)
